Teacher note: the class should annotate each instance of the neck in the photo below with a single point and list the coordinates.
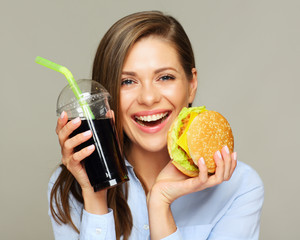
(147, 165)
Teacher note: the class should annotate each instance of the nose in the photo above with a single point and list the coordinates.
(149, 95)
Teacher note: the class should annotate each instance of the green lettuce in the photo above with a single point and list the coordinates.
(177, 152)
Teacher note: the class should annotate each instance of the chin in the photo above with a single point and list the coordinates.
(156, 148)
(153, 145)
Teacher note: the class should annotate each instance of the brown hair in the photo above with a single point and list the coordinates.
(108, 64)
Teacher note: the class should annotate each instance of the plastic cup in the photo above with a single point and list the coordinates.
(105, 167)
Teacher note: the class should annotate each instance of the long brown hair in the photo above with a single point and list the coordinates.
(107, 69)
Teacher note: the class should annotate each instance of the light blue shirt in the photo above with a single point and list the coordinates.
(229, 211)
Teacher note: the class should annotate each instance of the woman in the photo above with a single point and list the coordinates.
(146, 62)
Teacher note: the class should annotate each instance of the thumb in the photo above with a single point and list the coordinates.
(111, 114)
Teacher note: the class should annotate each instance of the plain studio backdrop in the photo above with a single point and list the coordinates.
(247, 55)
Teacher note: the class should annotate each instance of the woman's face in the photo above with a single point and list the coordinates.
(154, 88)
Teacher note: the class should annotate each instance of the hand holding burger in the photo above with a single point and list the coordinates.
(196, 133)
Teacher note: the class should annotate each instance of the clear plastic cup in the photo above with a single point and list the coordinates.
(105, 167)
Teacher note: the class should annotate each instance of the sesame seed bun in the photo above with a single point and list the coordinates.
(208, 133)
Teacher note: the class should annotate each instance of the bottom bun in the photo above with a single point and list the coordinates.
(185, 171)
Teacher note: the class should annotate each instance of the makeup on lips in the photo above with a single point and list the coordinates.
(151, 121)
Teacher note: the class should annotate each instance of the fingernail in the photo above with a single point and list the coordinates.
(87, 133)
(202, 160)
(226, 149)
(76, 120)
(219, 154)
(91, 147)
(234, 156)
(62, 115)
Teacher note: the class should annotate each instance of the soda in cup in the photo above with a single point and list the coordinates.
(105, 167)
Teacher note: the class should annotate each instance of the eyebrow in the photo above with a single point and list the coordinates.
(165, 68)
(156, 71)
(129, 73)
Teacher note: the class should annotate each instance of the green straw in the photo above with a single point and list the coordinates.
(73, 84)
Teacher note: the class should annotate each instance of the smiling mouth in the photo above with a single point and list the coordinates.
(151, 120)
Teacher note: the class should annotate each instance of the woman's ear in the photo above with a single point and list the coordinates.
(193, 83)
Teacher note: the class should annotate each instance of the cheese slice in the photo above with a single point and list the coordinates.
(182, 141)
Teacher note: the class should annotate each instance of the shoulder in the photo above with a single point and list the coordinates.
(52, 181)
(244, 188)
(53, 178)
(245, 176)
(243, 191)
(55, 175)
(245, 181)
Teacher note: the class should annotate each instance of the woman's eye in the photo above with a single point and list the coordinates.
(167, 77)
(127, 82)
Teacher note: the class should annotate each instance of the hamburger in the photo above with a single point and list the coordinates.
(195, 133)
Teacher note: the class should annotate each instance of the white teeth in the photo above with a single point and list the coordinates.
(150, 118)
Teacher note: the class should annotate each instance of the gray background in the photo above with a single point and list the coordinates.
(247, 54)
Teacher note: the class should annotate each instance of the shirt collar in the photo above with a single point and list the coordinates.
(127, 164)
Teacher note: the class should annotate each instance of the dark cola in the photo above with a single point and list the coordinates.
(105, 166)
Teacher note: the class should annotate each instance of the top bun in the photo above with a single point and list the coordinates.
(208, 133)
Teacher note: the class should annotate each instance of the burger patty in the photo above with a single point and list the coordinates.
(184, 122)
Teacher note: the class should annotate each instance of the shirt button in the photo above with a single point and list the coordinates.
(98, 230)
(146, 227)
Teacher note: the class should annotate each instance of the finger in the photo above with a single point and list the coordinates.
(111, 114)
(233, 163)
(218, 177)
(65, 132)
(61, 121)
(75, 141)
(202, 170)
(83, 153)
(227, 162)
(74, 165)
(198, 183)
